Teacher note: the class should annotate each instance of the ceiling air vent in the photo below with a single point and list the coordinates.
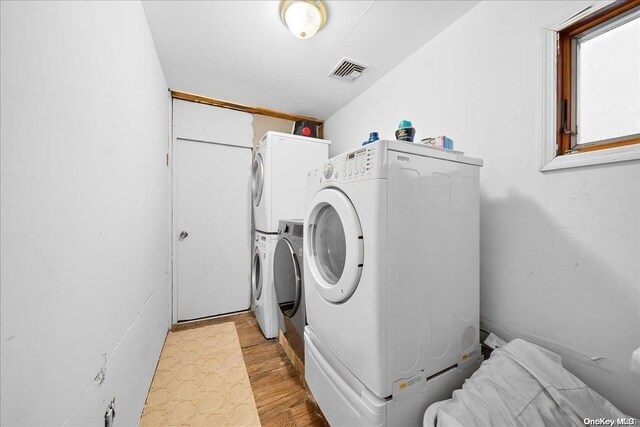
(348, 70)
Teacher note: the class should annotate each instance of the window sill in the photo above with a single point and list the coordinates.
(548, 159)
(589, 158)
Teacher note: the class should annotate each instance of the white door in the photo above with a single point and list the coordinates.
(287, 277)
(335, 245)
(213, 214)
(257, 180)
(257, 275)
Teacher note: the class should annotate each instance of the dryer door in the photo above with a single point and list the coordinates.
(334, 247)
(286, 277)
(257, 179)
(256, 275)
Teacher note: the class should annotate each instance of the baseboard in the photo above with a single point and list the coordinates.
(203, 321)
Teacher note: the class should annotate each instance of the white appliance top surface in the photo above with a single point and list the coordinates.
(427, 151)
(298, 137)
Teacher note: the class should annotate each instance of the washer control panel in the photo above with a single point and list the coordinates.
(358, 163)
(355, 165)
(261, 242)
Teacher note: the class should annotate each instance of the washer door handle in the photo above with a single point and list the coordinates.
(184, 234)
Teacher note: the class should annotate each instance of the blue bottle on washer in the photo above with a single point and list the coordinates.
(373, 137)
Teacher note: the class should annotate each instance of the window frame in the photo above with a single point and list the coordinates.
(566, 79)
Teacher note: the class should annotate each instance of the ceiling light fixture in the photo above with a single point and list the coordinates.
(303, 17)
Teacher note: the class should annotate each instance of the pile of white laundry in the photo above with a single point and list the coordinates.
(525, 385)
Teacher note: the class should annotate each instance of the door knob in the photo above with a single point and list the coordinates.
(183, 234)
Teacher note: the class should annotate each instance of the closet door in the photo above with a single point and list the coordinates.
(212, 211)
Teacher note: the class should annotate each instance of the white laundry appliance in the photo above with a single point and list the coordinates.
(391, 244)
(263, 299)
(279, 177)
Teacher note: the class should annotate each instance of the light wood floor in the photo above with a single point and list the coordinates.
(279, 393)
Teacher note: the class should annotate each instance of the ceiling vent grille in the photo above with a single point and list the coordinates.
(348, 70)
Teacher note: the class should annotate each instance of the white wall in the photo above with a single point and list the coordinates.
(85, 284)
(264, 124)
(559, 251)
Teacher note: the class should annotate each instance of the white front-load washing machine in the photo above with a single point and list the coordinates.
(279, 176)
(288, 280)
(391, 244)
(263, 300)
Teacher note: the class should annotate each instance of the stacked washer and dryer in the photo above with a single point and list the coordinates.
(391, 271)
(279, 175)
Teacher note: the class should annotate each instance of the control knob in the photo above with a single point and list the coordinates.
(328, 170)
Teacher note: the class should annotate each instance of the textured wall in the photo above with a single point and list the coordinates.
(85, 294)
(559, 251)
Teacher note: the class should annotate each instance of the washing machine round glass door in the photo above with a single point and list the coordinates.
(257, 179)
(287, 278)
(334, 244)
(256, 276)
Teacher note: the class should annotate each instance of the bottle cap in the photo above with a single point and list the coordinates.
(404, 124)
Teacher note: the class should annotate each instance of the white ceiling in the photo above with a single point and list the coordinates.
(240, 51)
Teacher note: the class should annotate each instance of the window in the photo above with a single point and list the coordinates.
(598, 103)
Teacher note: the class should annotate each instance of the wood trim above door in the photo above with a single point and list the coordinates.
(185, 96)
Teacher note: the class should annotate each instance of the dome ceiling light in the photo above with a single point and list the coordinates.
(304, 18)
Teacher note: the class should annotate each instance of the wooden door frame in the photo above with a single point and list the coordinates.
(174, 225)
